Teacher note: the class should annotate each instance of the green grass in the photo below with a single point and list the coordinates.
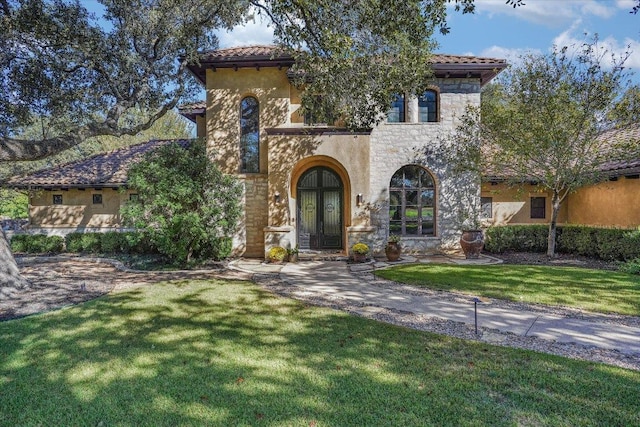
(591, 290)
(226, 353)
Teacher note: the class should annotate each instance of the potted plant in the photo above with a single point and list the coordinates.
(277, 255)
(392, 250)
(293, 254)
(472, 238)
(360, 251)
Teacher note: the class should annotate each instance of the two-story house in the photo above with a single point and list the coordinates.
(322, 187)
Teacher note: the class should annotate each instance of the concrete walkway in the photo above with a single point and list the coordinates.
(336, 280)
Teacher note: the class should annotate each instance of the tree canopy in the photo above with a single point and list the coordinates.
(88, 74)
(555, 120)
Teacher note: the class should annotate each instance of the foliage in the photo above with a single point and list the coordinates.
(170, 126)
(545, 121)
(519, 238)
(277, 254)
(37, 243)
(222, 352)
(592, 290)
(393, 238)
(631, 267)
(111, 74)
(13, 204)
(185, 204)
(92, 74)
(603, 243)
(360, 249)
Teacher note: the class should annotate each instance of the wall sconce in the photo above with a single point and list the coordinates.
(359, 199)
(276, 197)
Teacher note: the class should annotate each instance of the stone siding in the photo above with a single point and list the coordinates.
(249, 240)
(394, 145)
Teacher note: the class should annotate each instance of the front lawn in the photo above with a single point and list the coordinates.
(591, 290)
(226, 353)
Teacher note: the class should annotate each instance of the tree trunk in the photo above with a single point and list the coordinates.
(551, 240)
(10, 277)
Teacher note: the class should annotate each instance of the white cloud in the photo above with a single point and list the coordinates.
(251, 33)
(547, 12)
(513, 56)
(626, 4)
(608, 44)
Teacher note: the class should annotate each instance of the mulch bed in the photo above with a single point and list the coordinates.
(528, 258)
(57, 283)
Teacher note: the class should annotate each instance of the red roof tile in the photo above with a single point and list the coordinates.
(102, 170)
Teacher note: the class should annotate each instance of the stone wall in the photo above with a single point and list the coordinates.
(249, 241)
(394, 145)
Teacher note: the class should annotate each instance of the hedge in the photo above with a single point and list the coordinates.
(604, 243)
(95, 243)
(37, 244)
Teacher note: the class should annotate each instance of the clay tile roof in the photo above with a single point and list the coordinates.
(618, 167)
(193, 110)
(265, 52)
(454, 66)
(440, 58)
(102, 170)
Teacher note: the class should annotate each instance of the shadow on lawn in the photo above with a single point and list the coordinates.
(227, 353)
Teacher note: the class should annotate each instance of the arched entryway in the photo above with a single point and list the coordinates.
(320, 209)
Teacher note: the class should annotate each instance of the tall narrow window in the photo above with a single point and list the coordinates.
(249, 135)
(412, 202)
(486, 210)
(538, 207)
(396, 113)
(428, 106)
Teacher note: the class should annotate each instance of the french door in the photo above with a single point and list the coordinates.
(320, 209)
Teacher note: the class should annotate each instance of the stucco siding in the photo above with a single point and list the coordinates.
(512, 204)
(77, 209)
(612, 203)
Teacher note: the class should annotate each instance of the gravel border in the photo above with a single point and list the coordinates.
(273, 283)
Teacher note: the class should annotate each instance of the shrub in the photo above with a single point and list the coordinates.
(73, 242)
(186, 206)
(277, 254)
(37, 243)
(519, 238)
(604, 243)
(19, 243)
(91, 242)
(112, 242)
(631, 267)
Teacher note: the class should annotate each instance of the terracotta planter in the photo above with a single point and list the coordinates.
(392, 251)
(359, 257)
(472, 242)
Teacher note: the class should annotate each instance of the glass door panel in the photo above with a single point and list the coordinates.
(331, 223)
(308, 220)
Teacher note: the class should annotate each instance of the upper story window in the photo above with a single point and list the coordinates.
(412, 202)
(249, 135)
(397, 111)
(428, 106)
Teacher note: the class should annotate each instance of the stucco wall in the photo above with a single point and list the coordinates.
(612, 203)
(365, 162)
(77, 209)
(512, 204)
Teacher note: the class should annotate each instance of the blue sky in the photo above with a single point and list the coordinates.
(500, 31)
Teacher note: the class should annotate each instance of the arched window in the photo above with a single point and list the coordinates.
(428, 106)
(249, 135)
(412, 196)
